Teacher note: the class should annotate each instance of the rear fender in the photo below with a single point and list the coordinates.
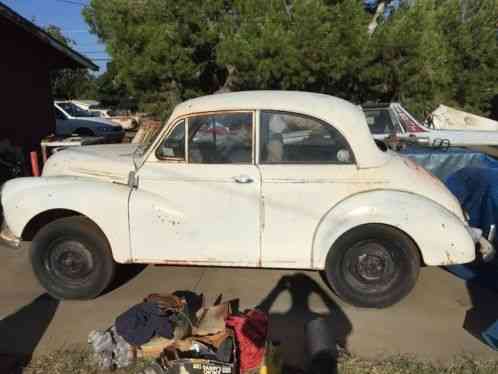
(441, 236)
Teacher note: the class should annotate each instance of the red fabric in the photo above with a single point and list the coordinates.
(251, 331)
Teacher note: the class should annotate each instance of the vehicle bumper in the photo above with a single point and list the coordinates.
(7, 236)
(485, 250)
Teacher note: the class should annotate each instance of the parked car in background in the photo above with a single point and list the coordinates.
(393, 119)
(122, 117)
(262, 179)
(71, 119)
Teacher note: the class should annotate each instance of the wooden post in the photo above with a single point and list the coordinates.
(35, 167)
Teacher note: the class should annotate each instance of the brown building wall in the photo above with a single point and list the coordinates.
(26, 110)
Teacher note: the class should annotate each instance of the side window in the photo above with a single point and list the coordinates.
(221, 138)
(293, 138)
(174, 144)
(58, 114)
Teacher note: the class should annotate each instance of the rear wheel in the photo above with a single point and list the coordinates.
(373, 266)
(72, 259)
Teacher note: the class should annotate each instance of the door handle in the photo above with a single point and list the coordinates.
(243, 179)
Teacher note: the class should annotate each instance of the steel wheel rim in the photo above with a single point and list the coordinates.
(369, 266)
(69, 261)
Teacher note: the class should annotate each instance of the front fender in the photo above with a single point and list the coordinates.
(441, 236)
(104, 203)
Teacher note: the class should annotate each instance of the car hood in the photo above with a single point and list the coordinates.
(111, 162)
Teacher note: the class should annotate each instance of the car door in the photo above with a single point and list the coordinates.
(62, 123)
(307, 167)
(198, 195)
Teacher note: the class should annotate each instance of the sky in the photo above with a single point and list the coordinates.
(66, 14)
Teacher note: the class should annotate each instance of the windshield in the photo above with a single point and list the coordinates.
(75, 111)
(150, 132)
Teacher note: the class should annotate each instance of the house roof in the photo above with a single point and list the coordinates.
(45, 38)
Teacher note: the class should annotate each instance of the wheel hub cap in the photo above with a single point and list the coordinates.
(71, 260)
(370, 263)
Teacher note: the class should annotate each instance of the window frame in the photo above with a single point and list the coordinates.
(59, 113)
(297, 114)
(188, 138)
(173, 127)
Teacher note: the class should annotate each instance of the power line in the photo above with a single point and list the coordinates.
(72, 2)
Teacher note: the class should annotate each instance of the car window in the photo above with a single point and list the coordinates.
(59, 114)
(379, 121)
(221, 138)
(74, 110)
(293, 138)
(174, 144)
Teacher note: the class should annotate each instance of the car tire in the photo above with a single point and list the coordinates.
(373, 266)
(72, 259)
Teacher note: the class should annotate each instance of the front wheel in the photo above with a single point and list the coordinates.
(72, 259)
(373, 266)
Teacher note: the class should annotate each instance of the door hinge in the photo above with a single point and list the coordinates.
(133, 180)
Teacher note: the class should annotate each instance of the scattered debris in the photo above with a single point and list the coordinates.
(182, 336)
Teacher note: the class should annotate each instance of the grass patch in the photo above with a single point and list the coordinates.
(79, 362)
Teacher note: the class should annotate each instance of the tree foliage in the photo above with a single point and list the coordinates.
(436, 51)
(70, 83)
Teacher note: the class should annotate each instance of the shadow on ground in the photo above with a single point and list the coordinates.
(21, 332)
(124, 274)
(289, 328)
(484, 310)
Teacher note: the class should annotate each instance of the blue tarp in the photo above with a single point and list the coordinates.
(473, 178)
(444, 162)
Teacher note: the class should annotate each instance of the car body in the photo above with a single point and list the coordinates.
(389, 119)
(294, 182)
(71, 119)
(127, 121)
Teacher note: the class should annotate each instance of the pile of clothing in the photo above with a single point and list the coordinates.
(180, 334)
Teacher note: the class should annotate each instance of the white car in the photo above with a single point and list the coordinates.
(393, 119)
(127, 121)
(329, 200)
(71, 119)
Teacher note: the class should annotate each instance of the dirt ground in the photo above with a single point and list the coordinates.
(436, 322)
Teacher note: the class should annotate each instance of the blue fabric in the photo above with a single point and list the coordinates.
(477, 191)
(142, 322)
(443, 163)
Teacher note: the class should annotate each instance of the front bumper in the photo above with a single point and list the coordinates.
(7, 236)
(485, 249)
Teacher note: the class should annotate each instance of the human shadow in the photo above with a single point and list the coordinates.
(21, 332)
(289, 328)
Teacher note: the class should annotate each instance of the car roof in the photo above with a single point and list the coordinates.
(346, 117)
